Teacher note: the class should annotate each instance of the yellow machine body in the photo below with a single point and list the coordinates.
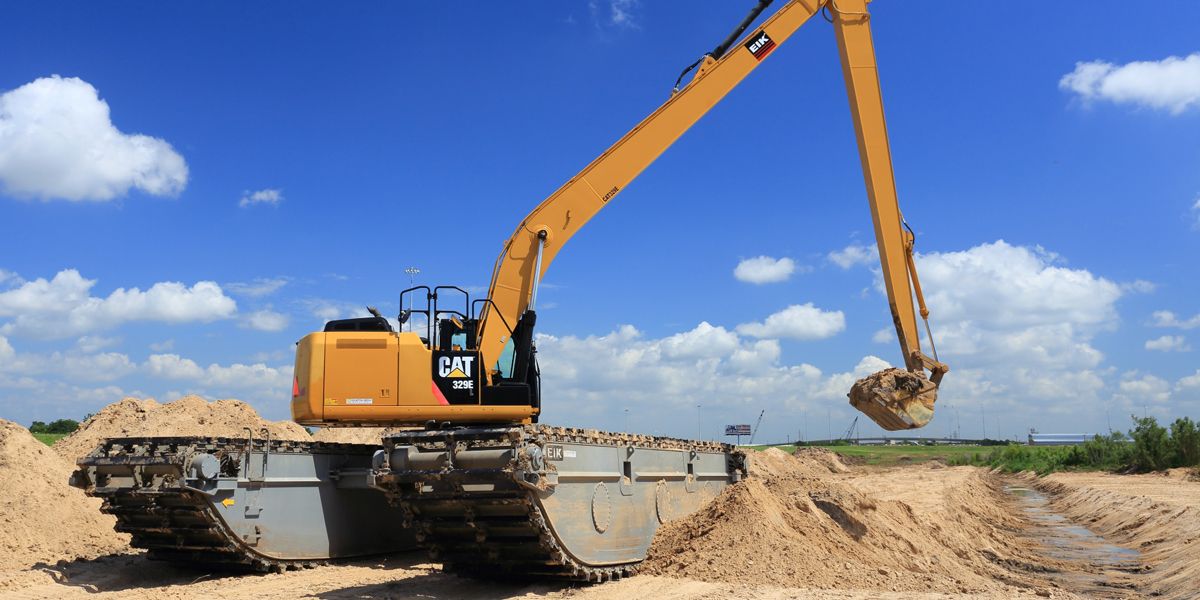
(381, 378)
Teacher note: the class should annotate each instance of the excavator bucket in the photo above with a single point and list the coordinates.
(895, 399)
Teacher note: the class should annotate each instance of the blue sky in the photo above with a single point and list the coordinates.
(297, 156)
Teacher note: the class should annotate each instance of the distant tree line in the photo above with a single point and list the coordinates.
(59, 426)
(1156, 447)
(1147, 447)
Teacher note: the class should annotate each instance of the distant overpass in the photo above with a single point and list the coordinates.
(879, 441)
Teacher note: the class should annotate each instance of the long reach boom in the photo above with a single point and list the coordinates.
(900, 401)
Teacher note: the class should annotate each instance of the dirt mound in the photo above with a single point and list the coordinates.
(1183, 473)
(1166, 531)
(190, 415)
(42, 518)
(793, 524)
(829, 459)
(353, 435)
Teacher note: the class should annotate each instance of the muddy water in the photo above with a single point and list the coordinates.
(1097, 569)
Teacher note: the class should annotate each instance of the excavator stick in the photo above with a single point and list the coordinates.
(895, 399)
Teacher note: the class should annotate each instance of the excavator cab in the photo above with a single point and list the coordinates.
(362, 371)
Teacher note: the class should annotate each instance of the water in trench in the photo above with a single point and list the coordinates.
(1099, 569)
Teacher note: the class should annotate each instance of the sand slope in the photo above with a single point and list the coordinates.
(42, 519)
(1158, 515)
(190, 415)
(353, 435)
(796, 524)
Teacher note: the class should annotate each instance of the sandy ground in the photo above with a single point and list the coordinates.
(803, 526)
(929, 497)
(402, 577)
(1174, 488)
(1156, 514)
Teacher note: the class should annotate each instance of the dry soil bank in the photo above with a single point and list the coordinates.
(353, 435)
(799, 523)
(190, 415)
(1157, 514)
(42, 519)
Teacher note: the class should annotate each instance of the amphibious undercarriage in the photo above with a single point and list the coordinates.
(254, 504)
(510, 501)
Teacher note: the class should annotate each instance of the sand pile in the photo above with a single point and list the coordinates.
(796, 524)
(826, 458)
(1184, 473)
(1167, 532)
(190, 415)
(42, 519)
(353, 435)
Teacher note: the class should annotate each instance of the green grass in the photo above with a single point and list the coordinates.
(888, 456)
(49, 438)
(1048, 459)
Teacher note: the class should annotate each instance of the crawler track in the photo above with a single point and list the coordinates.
(529, 501)
(484, 502)
(152, 487)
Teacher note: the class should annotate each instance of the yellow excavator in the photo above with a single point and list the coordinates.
(471, 475)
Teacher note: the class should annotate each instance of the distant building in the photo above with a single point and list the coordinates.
(1058, 439)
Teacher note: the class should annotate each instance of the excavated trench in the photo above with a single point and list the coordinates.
(1091, 566)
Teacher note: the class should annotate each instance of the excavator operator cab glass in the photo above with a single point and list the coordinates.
(504, 366)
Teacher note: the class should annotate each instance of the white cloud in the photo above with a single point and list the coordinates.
(326, 312)
(268, 196)
(658, 378)
(64, 307)
(615, 13)
(853, 255)
(1141, 389)
(172, 366)
(70, 366)
(764, 269)
(1166, 318)
(26, 399)
(1016, 326)
(261, 286)
(1196, 213)
(886, 335)
(92, 343)
(162, 346)
(1000, 285)
(37, 386)
(266, 320)
(329, 310)
(238, 376)
(705, 341)
(798, 321)
(1190, 382)
(1171, 84)
(1168, 343)
(57, 140)
(1139, 286)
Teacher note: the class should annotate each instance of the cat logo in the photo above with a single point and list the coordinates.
(455, 367)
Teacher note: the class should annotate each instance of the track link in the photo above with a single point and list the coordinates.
(144, 483)
(491, 521)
